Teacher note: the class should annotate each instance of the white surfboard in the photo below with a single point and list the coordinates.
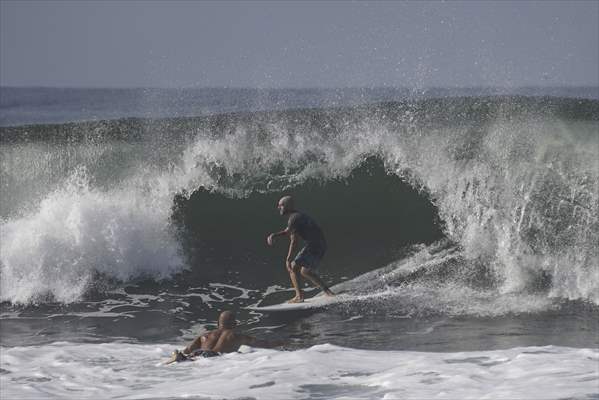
(316, 302)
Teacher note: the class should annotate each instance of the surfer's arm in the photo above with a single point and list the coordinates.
(272, 236)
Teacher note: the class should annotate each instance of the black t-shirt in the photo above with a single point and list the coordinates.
(307, 229)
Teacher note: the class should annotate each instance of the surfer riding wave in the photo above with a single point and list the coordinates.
(306, 261)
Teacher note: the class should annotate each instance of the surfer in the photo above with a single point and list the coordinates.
(307, 259)
(224, 339)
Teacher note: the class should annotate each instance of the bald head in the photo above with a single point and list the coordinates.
(227, 320)
(286, 205)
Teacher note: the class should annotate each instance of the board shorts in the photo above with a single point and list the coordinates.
(204, 353)
(310, 256)
(179, 356)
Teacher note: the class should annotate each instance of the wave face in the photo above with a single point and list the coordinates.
(512, 181)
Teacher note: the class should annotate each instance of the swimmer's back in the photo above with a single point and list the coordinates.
(224, 341)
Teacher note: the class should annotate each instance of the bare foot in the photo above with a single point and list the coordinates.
(296, 300)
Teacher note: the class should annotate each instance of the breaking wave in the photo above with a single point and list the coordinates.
(512, 182)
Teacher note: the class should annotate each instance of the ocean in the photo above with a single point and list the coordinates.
(463, 221)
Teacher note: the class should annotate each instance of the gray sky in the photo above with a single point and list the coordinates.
(305, 44)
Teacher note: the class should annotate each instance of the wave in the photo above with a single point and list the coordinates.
(513, 181)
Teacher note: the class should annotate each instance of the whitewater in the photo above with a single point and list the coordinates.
(465, 226)
(127, 371)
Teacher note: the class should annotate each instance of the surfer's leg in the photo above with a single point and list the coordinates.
(296, 281)
(316, 281)
(308, 259)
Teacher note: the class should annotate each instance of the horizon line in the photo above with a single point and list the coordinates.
(589, 86)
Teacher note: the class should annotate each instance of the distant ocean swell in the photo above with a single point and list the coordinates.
(514, 182)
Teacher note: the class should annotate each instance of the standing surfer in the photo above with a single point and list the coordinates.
(306, 261)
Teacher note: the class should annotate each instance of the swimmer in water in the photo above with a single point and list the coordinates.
(224, 339)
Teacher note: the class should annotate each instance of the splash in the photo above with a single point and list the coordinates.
(79, 233)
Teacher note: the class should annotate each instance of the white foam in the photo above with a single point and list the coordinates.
(388, 288)
(78, 232)
(132, 371)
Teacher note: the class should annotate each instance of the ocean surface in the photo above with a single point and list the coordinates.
(464, 223)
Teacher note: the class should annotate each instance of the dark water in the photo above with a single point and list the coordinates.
(476, 217)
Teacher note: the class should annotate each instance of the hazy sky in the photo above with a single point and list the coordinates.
(303, 44)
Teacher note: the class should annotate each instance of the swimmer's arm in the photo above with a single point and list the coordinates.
(270, 239)
(196, 344)
(224, 342)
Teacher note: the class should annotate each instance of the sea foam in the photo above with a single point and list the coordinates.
(131, 371)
